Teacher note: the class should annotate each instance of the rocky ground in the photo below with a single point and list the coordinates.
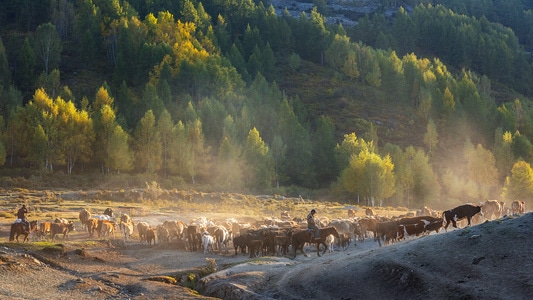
(488, 261)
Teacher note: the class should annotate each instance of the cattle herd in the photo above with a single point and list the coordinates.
(274, 236)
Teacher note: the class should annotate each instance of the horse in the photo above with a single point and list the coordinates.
(299, 239)
(19, 229)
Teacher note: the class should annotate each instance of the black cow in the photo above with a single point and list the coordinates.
(460, 212)
(109, 212)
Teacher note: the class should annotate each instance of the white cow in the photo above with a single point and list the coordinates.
(207, 242)
(330, 240)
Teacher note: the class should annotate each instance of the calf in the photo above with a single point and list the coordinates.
(61, 228)
(330, 239)
(343, 241)
(518, 207)
(45, 228)
(105, 227)
(460, 212)
(410, 229)
(163, 234)
(433, 226)
(256, 248)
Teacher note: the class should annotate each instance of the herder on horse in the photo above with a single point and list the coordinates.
(21, 214)
(311, 224)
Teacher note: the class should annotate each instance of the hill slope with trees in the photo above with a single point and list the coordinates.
(428, 107)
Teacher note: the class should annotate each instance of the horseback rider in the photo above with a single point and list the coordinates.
(311, 224)
(21, 214)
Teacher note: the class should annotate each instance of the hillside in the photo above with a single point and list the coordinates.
(487, 261)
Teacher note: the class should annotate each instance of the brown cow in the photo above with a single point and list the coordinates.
(491, 209)
(84, 215)
(163, 234)
(44, 228)
(175, 229)
(150, 235)
(367, 224)
(105, 227)
(92, 225)
(518, 207)
(386, 231)
(370, 212)
(351, 213)
(142, 227)
(61, 228)
(192, 237)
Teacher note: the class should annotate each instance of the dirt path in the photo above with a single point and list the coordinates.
(111, 268)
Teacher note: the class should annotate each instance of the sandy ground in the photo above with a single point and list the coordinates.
(488, 261)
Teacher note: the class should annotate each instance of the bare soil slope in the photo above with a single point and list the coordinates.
(489, 261)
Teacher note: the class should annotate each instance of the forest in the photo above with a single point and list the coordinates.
(428, 107)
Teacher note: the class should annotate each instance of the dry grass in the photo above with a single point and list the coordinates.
(49, 205)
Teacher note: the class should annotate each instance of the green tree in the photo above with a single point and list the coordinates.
(295, 62)
(258, 162)
(520, 184)
(323, 142)
(431, 136)
(26, 68)
(120, 154)
(181, 156)
(503, 152)
(350, 67)
(297, 164)
(482, 170)
(229, 166)
(199, 154)
(104, 124)
(337, 52)
(369, 176)
(77, 133)
(278, 150)
(48, 46)
(50, 82)
(164, 128)
(147, 141)
(425, 184)
(5, 73)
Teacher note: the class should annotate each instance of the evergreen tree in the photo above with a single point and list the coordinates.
(324, 152)
(259, 167)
